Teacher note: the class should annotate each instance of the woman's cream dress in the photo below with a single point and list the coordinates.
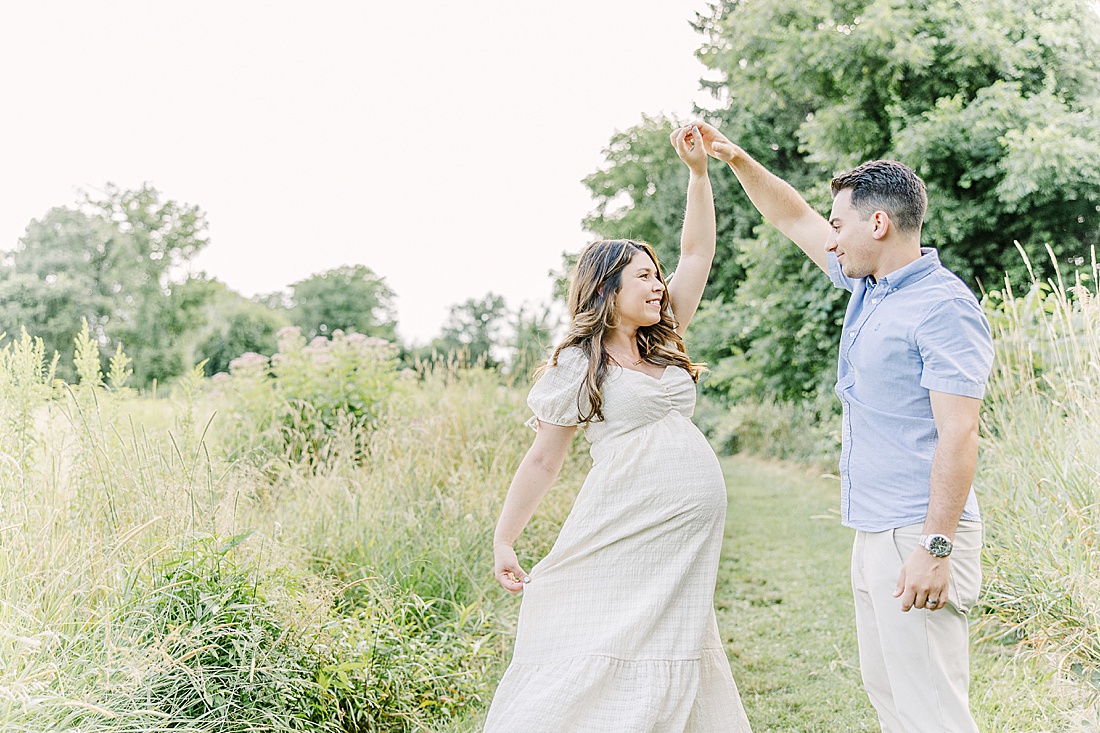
(616, 631)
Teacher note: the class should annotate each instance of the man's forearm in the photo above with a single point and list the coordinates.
(953, 467)
(773, 197)
(783, 207)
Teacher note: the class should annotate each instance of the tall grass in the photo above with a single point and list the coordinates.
(159, 574)
(306, 545)
(124, 604)
(1040, 470)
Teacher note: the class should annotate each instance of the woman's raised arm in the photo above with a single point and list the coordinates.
(697, 239)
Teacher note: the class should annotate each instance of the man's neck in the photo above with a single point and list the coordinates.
(898, 256)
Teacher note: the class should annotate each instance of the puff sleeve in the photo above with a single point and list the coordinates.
(554, 397)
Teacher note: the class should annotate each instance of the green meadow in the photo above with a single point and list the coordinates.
(304, 543)
(230, 514)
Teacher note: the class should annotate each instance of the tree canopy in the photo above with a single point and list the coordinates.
(119, 261)
(114, 260)
(996, 105)
(350, 298)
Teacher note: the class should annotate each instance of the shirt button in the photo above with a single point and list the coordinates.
(874, 300)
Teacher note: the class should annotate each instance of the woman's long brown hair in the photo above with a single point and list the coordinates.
(596, 279)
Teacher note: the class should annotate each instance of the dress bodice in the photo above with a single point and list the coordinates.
(631, 399)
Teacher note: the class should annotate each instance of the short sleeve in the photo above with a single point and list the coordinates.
(956, 347)
(554, 397)
(837, 275)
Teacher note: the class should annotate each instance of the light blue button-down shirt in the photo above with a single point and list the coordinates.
(917, 329)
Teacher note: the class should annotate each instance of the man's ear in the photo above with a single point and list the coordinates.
(880, 224)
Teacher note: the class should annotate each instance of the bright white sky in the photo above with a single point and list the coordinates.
(440, 143)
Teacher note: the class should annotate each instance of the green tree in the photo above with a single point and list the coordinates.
(351, 298)
(531, 340)
(971, 95)
(996, 105)
(472, 330)
(53, 281)
(114, 260)
(156, 239)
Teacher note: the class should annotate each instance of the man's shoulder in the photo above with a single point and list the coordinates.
(949, 310)
(952, 284)
(943, 286)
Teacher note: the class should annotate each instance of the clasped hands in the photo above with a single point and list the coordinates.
(686, 140)
(689, 145)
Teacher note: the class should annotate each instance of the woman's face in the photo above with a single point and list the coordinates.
(638, 301)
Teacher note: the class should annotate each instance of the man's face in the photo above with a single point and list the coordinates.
(857, 251)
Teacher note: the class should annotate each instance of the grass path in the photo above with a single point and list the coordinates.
(784, 607)
(784, 603)
(785, 611)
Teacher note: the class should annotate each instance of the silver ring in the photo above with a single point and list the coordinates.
(934, 601)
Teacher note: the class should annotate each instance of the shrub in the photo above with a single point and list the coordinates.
(206, 649)
(308, 400)
(392, 665)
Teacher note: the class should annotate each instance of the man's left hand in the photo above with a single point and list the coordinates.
(924, 581)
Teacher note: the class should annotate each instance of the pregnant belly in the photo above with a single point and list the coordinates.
(655, 496)
(665, 468)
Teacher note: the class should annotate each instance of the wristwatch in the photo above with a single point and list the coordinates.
(937, 544)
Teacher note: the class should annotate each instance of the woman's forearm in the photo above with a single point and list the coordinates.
(699, 232)
(533, 479)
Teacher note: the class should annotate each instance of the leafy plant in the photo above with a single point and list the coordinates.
(309, 400)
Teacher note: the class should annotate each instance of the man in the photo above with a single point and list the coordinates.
(915, 353)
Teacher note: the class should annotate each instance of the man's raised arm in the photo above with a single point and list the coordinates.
(773, 197)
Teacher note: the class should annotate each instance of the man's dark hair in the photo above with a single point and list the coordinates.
(886, 185)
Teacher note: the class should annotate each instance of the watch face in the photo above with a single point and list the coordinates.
(939, 546)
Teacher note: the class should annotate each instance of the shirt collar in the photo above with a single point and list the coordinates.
(928, 261)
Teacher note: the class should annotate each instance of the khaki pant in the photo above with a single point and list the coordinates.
(915, 664)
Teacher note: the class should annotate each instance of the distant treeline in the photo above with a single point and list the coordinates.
(118, 259)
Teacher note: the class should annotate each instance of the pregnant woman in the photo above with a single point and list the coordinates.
(617, 632)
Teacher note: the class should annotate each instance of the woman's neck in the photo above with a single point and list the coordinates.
(622, 340)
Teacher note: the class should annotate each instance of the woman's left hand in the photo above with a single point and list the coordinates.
(689, 146)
